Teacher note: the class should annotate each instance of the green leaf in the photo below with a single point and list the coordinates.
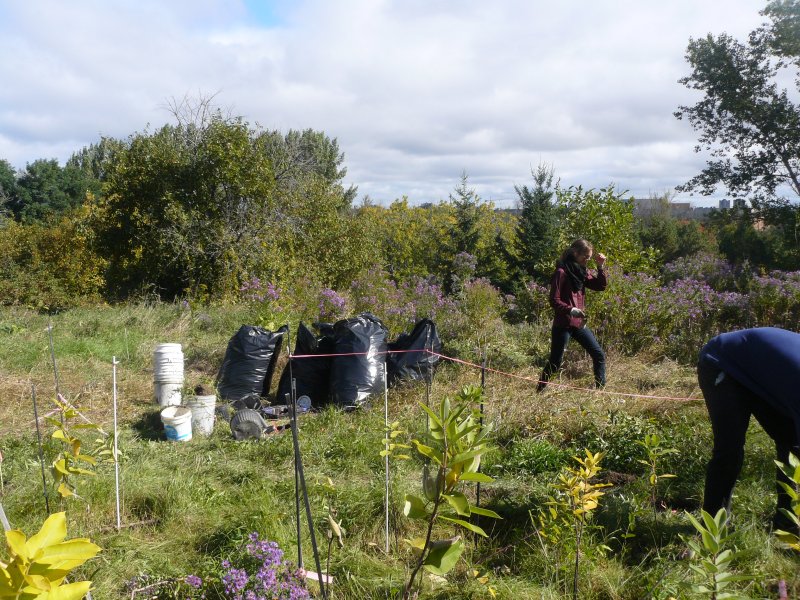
(442, 558)
(465, 456)
(433, 416)
(414, 507)
(428, 451)
(466, 525)
(485, 512)
(475, 476)
(459, 503)
(416, 544)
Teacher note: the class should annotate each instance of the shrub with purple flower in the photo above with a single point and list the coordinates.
(259, 572)
(332, 305)
(462, 270)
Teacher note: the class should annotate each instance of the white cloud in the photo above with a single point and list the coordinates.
(415, 91)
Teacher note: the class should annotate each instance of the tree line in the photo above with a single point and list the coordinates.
(200, 206)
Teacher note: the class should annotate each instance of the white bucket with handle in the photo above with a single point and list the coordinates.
(168, 363)
(202, 408)
(177, 422)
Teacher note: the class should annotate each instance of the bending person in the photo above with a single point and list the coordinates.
(567, 297)
(742, 373)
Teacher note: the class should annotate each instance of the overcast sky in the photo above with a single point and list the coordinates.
(416, 91)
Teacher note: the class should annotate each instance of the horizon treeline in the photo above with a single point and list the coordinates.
(199, 208)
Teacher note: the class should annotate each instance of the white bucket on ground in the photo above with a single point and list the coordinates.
(168, 363)
(202, 408)
(177, 422)
(168, 393)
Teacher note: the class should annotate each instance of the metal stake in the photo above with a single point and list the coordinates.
(41, 455)
(53, 360)
(386, 457)
(302, 480)
(116, 456)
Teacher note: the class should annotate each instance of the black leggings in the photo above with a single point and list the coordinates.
(730, 405)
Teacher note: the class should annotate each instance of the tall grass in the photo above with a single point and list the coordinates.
(187, 506)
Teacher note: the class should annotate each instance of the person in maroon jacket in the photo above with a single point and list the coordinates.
(567, 297)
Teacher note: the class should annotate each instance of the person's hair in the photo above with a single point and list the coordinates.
(576, 248)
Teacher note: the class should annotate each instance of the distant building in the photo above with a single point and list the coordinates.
(739, 203)
(645, 207)
(724, 204)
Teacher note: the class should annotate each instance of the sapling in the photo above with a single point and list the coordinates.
(792, 471)
(37, 567)
(454, 446)
(655, 452)
(570, 511)
(66, 464)
(711, 559)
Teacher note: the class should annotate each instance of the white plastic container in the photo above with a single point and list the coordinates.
(167, 393)
(202, 408)
(168, 363)
(177, 422)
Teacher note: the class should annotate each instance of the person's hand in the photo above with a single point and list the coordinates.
(577, 312)
(600, 259)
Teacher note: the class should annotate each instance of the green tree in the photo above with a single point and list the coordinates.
(184, 208)
(44, 188)
(478, 230)
(8, 185)
(693, 238)
(605, 218)
(658, 229)
(466, 234)
(412, 238)
(93, 161)
(748, 124)
(740, 240)
(536, 238)
(298, 154)
(198, 207)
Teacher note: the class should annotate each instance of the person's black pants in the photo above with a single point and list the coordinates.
(730, 405)
(583, 335)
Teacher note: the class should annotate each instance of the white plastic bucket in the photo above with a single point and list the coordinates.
(202, 408)
(168, 363)
(168, 393)
(177, 422)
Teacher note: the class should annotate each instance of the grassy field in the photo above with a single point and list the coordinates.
(188, 506)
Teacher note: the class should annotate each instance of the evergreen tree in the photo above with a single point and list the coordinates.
(536, 240)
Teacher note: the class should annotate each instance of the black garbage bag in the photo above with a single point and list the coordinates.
(360, 373)
(412, 362)
(311, 375)
(249, 362)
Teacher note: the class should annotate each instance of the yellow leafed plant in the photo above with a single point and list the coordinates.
(36, 568)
